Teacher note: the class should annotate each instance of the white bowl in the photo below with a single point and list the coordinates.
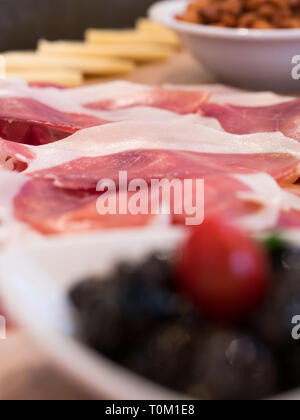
(255, 59)
(35, 293)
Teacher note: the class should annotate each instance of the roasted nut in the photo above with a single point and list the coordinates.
(189, 17)
(294, 3)
(278, 3)
(267, 10)
(291, 23)
(254, 4)
(278, 18)
(262, 24)
(234, 7)
(257, 14)
(212, 13)
(191, 14)
(247, 20)
(227, 19)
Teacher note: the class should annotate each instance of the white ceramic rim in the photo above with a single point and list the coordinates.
(102, 378)
(97, 374)
(165, 11)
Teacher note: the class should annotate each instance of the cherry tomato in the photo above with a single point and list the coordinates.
(225, 272)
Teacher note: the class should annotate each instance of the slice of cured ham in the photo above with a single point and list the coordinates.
(283, 117)
(178, 135)
(59, 192)
(39, 116)
(178, 101)
(84, 173)
(123, 94)
(52, 210)
(36, 116)
(28, 121)
(15, 156)
(70, 169)
(64, 199)
(228, 95)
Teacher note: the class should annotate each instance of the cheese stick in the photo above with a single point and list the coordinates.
(128, 37)
(166, 35)
(88, 66)
(69, 78)
(139, 53)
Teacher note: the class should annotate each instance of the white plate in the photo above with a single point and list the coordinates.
(257, 59)
(34, 284)
(35, 280)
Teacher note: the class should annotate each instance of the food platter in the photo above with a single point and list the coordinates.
(87, 177)
(51, 185)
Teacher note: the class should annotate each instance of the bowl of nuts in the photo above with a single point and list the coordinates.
(253, 44)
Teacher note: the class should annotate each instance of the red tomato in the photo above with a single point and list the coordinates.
(224, 271)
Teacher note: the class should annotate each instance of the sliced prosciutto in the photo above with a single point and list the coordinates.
(51, 210)
(15, 156)
(181, 135)
(178, 101)
(92, 155)
(84, 173)
(229, 95)
(250, 171)
(36, 116)
(283, 117)
(29, 121)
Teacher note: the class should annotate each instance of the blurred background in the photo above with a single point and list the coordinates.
(23, 22)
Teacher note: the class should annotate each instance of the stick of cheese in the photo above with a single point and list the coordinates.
(129, 37)
(138, 53)
(167, 36)
(70, 78)
(89, 65)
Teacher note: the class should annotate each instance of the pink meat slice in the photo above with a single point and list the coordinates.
(63, 198)
(84, 173)
(178, 101)
(283, 117)
(18, 154)
(43, 85)
(16, 150)
(28, 121)
(51, 210)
